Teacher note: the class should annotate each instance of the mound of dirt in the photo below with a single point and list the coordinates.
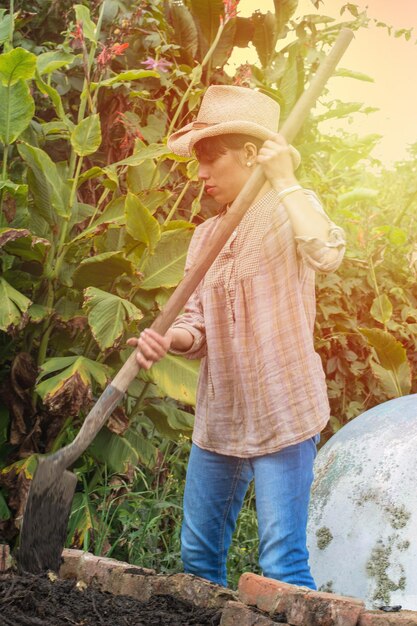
(31, 600)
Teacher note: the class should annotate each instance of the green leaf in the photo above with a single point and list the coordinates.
(21, 243)
(177, 377)
(12, 305)
(207, 13)
(124, 77)
(390, 352)
(101, 270)
(149, 152)
(141, 177)
(165, 268)
(4, 509)
(87, 370)
(17, 109)
(86, 136)
(5, 24)
(393, 369)
(55, 98)
(394, 383)
(351, 74)
(4, 425)
(265, 38)
(107, 316)
(83, 16)
(381, 309)
(17, 65)
(359, 194)
(48, 62)
(123, 452)
(184, 31)
(169, 420)
(140, 223)
(49, 192)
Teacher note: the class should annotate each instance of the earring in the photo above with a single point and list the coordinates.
(249, 163)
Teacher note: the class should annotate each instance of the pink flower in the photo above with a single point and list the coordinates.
(160, 65)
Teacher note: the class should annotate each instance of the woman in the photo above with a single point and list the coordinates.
(261, 399)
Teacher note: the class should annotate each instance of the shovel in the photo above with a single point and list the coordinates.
(44, 524)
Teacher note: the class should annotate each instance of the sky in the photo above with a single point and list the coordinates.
(390, 61)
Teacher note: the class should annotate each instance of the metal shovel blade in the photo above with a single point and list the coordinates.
(44, 526)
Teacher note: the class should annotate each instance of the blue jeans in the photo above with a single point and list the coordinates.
(214, 492)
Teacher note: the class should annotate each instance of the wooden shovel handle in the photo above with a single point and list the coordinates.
(114, 392)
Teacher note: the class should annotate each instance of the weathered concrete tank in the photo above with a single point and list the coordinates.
(362, 532)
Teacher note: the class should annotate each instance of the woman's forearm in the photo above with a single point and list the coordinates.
(181, 339)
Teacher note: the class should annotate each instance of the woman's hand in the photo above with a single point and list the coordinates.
(151, 347)
(277, 163)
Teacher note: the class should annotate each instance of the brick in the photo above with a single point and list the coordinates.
(381, 618)
(199, 591)
(70, 563)
(269, 595)
(6, 559)
(324, 609)
(238, 614)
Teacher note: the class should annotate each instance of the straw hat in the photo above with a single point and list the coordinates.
(227, 109)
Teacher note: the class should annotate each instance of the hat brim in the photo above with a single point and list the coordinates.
(183, 141)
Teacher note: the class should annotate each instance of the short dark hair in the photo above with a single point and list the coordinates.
(213, 147)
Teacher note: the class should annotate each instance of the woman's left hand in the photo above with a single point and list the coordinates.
(277, 163)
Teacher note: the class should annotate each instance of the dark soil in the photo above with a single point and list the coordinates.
(35, 600)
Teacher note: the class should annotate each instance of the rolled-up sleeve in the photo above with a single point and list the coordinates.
(192, 319)
(319, 255)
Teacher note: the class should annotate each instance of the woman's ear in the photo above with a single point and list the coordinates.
(250, 153)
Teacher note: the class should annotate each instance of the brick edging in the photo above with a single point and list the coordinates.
(304, 607)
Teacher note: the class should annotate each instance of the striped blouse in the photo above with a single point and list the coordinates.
(261, 384)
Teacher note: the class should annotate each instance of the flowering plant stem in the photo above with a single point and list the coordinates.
(196, 75)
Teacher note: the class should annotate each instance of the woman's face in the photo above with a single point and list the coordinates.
(225, 175)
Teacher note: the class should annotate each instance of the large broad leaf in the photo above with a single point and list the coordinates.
(177, 377)
(358, 194)
(140, 223)
(265, 36)
(125, 77)
(184, 31)
(17, 65)
(144, 153)
(392, 358)
(169, 420)
(107, 315)
(165, 268)
(49, 192)
(4, 509)
(102, 270)
(284, 9)
(5, 25)
(48, 62)
(86, 136)
(123, 452)
(20, 242)
(207, 13)
(56, 99)
(17, 108)
(83, 16)
(86, 369)
(12, 305)
(381, 309)
(81, 521)
(394, 383)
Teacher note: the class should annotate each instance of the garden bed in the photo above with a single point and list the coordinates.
(92, 590)
(41, 601)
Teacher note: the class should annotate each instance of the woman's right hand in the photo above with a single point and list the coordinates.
(150, 347)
